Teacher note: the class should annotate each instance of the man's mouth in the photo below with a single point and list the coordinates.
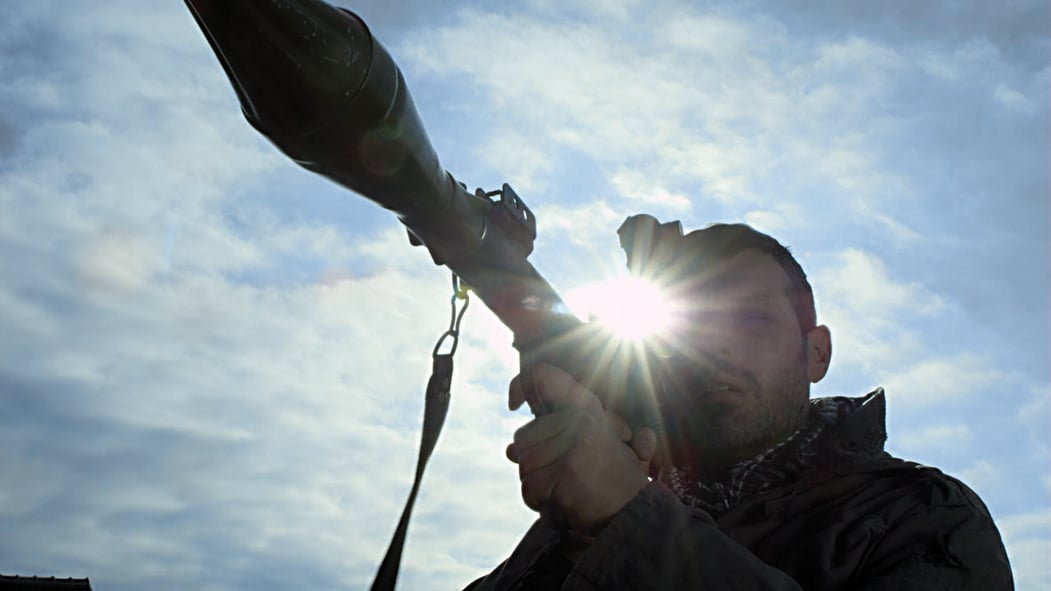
(722, 395)
(704, 390)
(708, 400)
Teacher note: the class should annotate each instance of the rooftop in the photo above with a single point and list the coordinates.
(17, 583)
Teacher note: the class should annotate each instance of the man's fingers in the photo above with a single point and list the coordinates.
(556, 388)
(544, 439)
(523, 388)
(534, 457)
(644, 442)
(538, 487)
(546, 388)
(515, 393)
(619, 426)
(542, 428)
(541, 432)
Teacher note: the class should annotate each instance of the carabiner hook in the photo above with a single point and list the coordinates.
(460, 292)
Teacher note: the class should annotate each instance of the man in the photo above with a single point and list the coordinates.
(754, 485)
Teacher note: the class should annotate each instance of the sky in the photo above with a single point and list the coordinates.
(212, 361)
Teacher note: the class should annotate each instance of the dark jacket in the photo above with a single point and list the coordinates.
(860, 520)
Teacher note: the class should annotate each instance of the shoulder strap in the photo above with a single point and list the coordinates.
(435, 408)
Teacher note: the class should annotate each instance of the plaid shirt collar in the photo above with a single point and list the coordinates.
(777, 466)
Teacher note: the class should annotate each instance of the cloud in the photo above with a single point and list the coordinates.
(517, 157)
(1012, 99)
(644, 193)
(192, 387)
(1037, 409)
(1028, 544)
(780, 218)
(983, 476)
(939, 379)
(118, 260)
(618, 10)
(869, 310)
(584, 225)
(1029, 562)
(938, 436)
(249, 402)
(865, 284)
(769, 116)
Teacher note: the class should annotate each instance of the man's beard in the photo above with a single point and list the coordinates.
(697, 432)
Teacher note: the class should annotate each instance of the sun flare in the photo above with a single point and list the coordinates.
(629, 307)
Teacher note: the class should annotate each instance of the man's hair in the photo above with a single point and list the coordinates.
(723, 241)
(660, 251)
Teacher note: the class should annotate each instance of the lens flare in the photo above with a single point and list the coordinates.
(629, 307)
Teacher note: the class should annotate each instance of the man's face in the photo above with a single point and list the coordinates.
(736, 381)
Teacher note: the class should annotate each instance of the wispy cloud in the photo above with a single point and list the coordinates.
(1028, 545)
(943, 436)
(869, 311)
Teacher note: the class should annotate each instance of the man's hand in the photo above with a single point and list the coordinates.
(579, 458)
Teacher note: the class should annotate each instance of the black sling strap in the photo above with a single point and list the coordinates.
(436, 406)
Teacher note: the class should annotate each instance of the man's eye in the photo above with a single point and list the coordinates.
(750, 319)
(739, 320)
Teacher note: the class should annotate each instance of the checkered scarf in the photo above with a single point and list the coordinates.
(778, 465)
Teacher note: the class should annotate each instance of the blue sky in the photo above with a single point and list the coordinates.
(212, 361)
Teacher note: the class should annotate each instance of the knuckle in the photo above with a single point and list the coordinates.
(523, 433)
(586, 422)
(533, 493)
(525, 463)
(590, 404)
(573, 465)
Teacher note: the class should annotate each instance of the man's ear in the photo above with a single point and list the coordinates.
(818, 352)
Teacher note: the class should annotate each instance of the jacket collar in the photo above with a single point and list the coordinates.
(857, 437)
(841, 434)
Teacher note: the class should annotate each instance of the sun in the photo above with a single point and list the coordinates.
(629, 307)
